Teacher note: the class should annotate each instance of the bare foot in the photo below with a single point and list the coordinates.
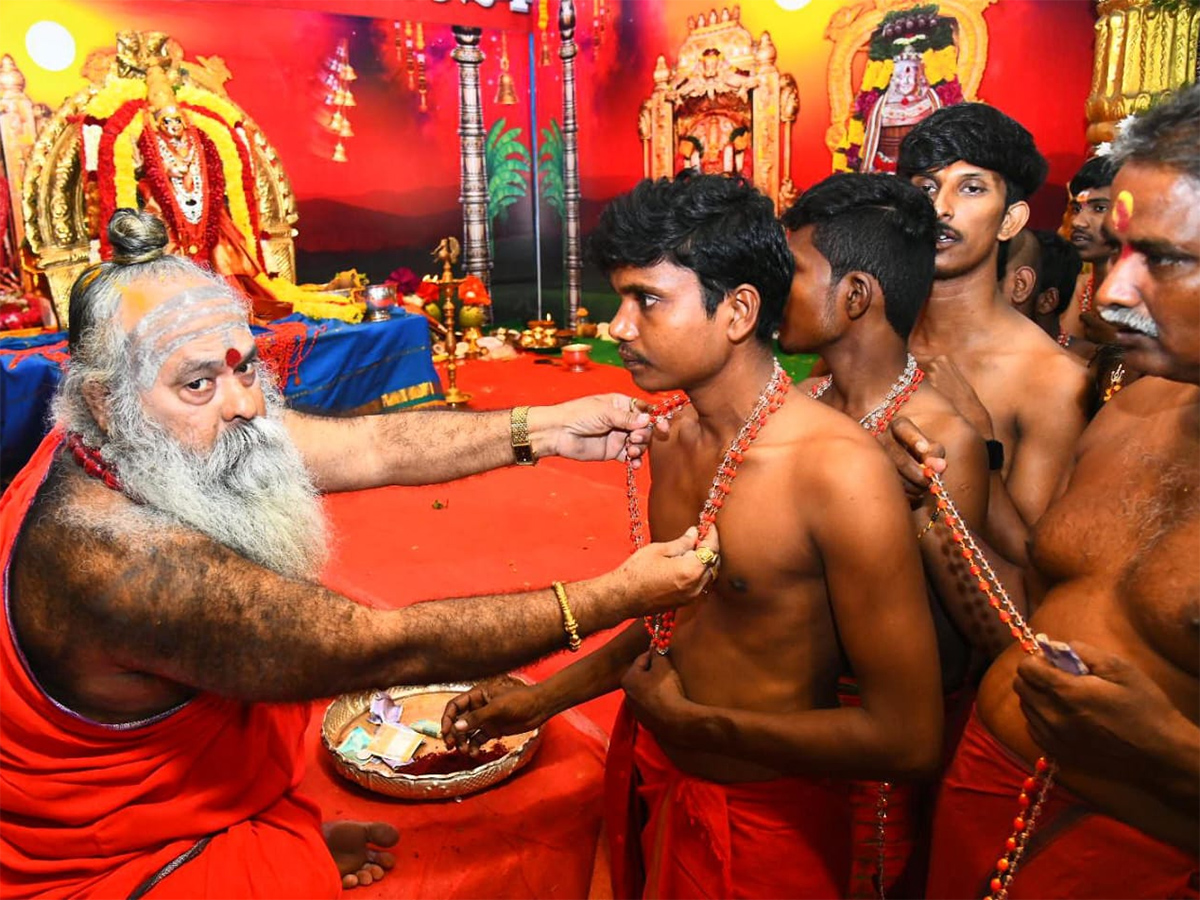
(350, 843)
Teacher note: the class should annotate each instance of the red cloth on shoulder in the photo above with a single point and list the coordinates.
(789, 837)
(90, 810)
(1074, 852)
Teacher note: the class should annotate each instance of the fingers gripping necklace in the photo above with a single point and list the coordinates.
(1035, 788)
(661, 625)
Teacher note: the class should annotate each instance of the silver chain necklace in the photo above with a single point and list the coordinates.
(901, 384)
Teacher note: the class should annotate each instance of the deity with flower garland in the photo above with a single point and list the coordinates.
(183, 183)
(912, 70)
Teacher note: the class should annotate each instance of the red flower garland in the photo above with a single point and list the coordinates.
(106, 167)
(248, 186)
(160, 188)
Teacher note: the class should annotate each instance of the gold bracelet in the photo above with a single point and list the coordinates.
(570, 626)
(932, 520)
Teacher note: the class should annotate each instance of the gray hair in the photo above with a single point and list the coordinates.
(1167, 135)
(99, 346)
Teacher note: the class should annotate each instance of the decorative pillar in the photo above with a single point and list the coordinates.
(474, 197)
(18, 130)
(573, 256)
(1143, 52)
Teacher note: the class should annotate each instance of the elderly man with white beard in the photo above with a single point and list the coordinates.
(163, 622)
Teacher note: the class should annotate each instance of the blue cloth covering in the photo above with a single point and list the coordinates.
(346, 368)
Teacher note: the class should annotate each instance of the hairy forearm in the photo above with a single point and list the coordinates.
(847, 742)
(223, 625)
(418, 447)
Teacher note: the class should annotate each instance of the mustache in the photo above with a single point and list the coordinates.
(1129, 320)
(1082, 233)
(630, 355)
(947, 231)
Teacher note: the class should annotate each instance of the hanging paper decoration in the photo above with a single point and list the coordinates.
(422, 81)
(410, 57)
(543, 24)
(599, 21)
(338, 97)
(506, 91)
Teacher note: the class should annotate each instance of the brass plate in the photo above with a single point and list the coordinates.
(420, 702)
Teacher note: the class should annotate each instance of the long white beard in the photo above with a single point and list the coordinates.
(250, 492)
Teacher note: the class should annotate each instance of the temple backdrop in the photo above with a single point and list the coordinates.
(397, 193)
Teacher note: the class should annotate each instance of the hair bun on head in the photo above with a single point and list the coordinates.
(136, 237)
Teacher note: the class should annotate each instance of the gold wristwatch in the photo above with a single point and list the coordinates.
(519, 425)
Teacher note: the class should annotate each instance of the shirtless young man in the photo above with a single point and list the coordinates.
(738, 729)
(1118, 551)
(162, 615)
(864, 248)
(1090, 199)
(1015, 385)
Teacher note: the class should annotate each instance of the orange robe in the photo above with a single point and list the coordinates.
(789, 837)
(1074, 852)
(91, 810)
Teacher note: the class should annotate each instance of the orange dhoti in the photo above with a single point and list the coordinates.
(1074, 852)
(197, 801)
(789, 837)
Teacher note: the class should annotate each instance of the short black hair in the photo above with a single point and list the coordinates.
(738, 132)
(721, 228)
(695, 142)
(1098, 171)
(1165, 135)
(982, 136)
(877, 224)
(1058, 266)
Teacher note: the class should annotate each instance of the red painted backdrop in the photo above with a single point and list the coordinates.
(398, 192)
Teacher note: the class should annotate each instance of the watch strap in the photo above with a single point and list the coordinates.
(519, 433)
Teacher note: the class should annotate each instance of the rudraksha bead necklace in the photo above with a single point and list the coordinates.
(662, 625)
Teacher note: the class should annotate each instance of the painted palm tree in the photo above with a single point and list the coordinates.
(509, 165)
(550, 167)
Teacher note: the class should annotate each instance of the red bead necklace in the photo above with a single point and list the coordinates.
(1035, 788)
(661, 625)
(92, 462)
(877, 420)
(1085, 301)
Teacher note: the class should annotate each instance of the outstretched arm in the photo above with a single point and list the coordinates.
(877, 593)
(223, 624)
(485, 712)
(433, 446)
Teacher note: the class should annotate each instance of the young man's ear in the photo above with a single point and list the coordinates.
(856, 292)
(1024, 284)
(95, 395)
(1047, 301)
(1015, 218)
(744, 307)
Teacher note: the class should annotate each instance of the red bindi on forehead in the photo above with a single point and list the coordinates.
(233, 357)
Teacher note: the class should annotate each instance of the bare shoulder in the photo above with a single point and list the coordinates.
(831, 451)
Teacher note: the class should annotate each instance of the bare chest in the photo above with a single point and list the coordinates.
(1129, 528)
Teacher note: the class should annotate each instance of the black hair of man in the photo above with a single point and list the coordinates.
(721, 228)
(738, 132)
(982, 136)
(1166, 135)
(877, 224)
(1058, 267)
(695, 141)
(1097, 172)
